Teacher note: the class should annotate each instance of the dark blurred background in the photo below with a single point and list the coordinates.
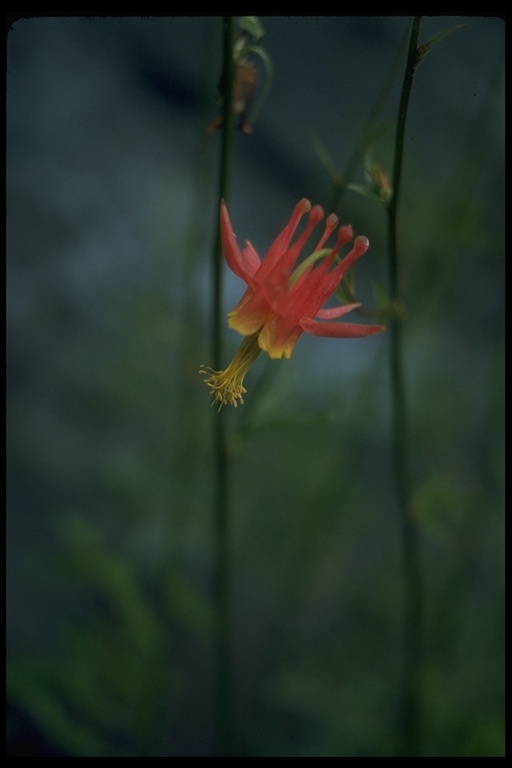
(111, 209)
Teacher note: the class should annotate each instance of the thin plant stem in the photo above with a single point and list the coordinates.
(223, 717)
(411, 568)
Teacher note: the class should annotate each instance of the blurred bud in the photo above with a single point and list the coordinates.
(380, 182)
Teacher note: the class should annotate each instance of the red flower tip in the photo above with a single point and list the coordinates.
(361, 244)
(345, 235)
(316, 215)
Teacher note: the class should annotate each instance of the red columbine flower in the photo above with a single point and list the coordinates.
(283, 300)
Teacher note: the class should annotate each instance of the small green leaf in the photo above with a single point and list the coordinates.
(366, 191)
(425, 48)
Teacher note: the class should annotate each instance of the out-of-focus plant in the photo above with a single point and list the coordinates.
(113, 684)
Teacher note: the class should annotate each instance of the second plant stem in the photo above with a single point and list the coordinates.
(411, 569)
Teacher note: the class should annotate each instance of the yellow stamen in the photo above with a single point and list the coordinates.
(227, 386)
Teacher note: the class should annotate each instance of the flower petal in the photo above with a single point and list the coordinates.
(321, 283)
(340, 330)
(249, 314)
(232, 253)
(250, 258)
(282, 241)
(361, 245)
(278, 337)
(331, 313)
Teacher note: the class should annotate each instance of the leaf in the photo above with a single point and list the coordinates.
(425, 48)
(366, 191)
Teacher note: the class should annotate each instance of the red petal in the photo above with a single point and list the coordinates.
(340, 330)
(330, 314)
(282, 241)
(231, 251)
(329, 281)
(250, 258)
(278, 337)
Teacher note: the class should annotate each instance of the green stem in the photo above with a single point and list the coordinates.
(223, 692)
(412, 581)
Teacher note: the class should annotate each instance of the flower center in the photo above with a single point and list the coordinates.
(227, 386)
